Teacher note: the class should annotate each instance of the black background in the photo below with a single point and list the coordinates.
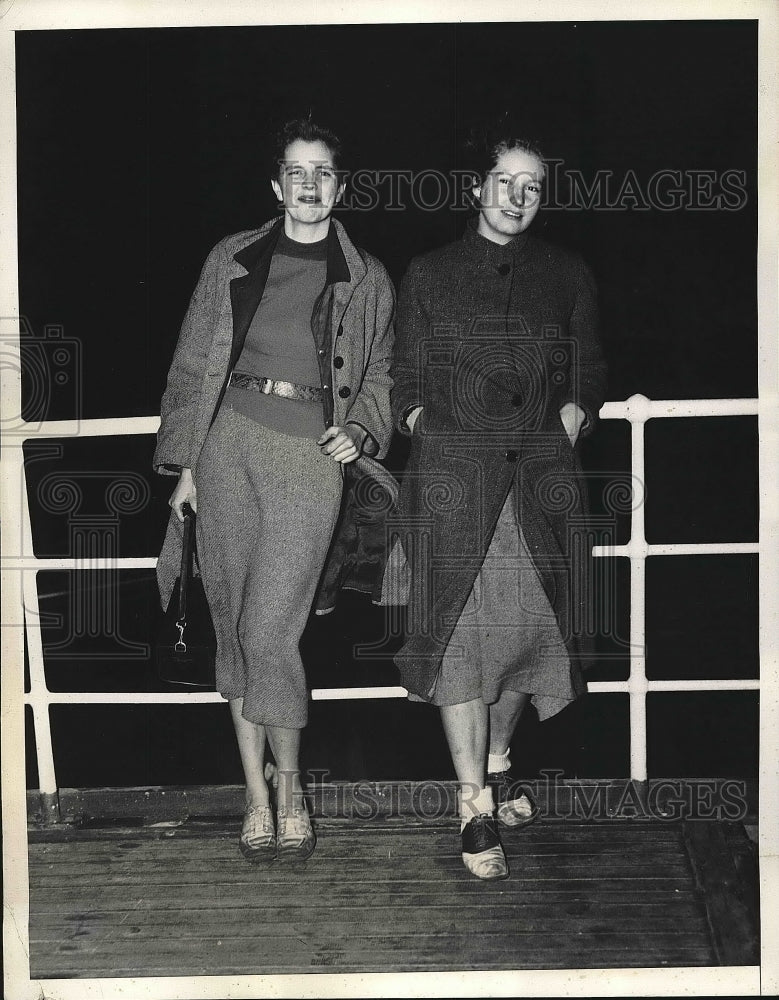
(139, 149)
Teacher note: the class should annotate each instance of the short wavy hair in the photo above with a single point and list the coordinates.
(307, 130)
(485, 143)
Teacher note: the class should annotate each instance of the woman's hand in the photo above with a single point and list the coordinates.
(185, 492)
(343, 444)
(572, 416)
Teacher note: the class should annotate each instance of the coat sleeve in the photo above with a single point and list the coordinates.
(413, 326)
(371, 406)
(587, 385)
(187, 371)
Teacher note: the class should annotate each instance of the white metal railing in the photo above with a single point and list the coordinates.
(637, 410)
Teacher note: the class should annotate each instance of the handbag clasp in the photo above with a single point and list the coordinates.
(180, 646)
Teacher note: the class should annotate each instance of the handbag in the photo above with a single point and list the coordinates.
(185, 650)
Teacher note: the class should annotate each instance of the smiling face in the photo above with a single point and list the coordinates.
(510, 196)
(308, 187)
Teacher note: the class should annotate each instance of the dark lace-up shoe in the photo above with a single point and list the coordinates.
(482, 851)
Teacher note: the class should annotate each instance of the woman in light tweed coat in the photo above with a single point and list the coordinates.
(280, 379)
(498, 373)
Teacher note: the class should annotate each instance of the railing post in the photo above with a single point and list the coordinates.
(39, 693)
(638, 412)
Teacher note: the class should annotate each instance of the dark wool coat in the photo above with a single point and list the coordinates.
(352, 326)
(492, 340)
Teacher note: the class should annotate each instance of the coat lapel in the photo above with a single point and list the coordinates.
(344, 274)
(345, 270)
(246, 290)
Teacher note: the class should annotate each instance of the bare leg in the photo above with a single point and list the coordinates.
(515, 808)
(504, 716)
(296, 838)
(251, 746)
(465, 726)
(285, 744)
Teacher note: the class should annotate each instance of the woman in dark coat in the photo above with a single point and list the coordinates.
(280, 379)
(498, 374)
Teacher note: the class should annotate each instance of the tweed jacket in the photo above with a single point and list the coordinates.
(352, 325)
(492, 341)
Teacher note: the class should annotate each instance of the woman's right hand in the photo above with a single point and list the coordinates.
(184, 492)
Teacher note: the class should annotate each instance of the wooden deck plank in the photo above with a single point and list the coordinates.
(381, 897)
(246, 922)
(226, 850)
(454, 953)
(734, 927)
(406, 902)
(163, 874)
(257, 951)
(614, 833)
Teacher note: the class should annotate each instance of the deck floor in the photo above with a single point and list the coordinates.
(379, 896)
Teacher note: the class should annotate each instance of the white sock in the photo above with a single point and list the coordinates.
(474, 804)
(497, 762)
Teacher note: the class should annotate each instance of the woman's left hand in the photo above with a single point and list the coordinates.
(342, 443)
(572, 416)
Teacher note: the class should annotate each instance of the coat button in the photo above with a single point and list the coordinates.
(511, 455)
(345, 392)
(321, 352)
(504, 269)
(325, 387)
(338, 362)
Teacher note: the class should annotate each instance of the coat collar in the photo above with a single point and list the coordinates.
(479, 246)
(344, 263)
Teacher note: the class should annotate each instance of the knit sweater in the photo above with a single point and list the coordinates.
(280, 344)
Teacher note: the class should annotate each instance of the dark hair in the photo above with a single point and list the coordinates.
(486, 143)
(309, 131)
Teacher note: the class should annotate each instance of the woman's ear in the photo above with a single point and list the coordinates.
(472, 196)
(340, 192)
(277, 191)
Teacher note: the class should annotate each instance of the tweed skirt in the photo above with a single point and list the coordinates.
(267, 505)
(507, 637)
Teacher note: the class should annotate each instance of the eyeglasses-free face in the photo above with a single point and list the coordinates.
(308, 185)
(510, 196)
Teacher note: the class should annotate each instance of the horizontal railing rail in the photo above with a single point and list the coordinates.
(637, 410)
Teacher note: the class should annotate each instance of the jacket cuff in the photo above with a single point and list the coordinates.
(370, 446)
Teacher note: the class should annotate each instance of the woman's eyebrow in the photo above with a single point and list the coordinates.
(316, 164)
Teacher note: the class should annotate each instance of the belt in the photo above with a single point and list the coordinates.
(275, 387)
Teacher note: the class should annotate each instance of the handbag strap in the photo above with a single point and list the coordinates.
(186, 562)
